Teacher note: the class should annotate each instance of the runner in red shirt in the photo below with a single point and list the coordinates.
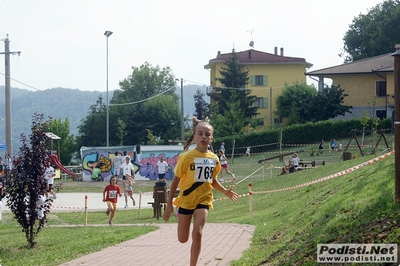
(110, 196)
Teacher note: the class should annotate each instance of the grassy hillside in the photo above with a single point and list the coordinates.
(354, 208)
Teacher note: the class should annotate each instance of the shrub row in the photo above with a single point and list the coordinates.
(309, 133)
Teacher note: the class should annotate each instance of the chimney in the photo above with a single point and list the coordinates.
(276, 50)
(397, 47)
(281, 51)
(219, 54)
(249, 54)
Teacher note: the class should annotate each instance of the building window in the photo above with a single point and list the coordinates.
(277, 120)
(261, 102)
(259, 80)
(380, 86)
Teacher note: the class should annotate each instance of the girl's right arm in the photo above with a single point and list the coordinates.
(169, 208)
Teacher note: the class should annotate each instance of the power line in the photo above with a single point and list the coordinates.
(76, 101)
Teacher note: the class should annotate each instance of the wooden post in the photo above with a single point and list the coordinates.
(270, 169)
(86, 211)
(263, 171)
(396, 56)
(140, 203)
(250, 201)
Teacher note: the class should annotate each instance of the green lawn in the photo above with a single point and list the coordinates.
(355, 208)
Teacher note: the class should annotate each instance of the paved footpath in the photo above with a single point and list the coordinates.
(221, 243)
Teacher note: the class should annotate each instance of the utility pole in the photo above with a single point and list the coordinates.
(396, 56)
(182, 114)
(8, 93)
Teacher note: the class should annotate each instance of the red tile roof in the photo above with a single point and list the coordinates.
(257, 57)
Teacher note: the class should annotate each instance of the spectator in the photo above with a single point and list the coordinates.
(222, 147)
(295, 159)
(117, 161)
(49, 175)
(161, 168)
(287, 169)
(96, 173)
(127, 171)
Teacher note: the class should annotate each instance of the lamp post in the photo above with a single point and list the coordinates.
(107, 34)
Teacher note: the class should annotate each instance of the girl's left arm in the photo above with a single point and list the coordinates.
(227, 192)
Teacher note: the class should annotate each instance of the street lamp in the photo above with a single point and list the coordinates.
(107, 34)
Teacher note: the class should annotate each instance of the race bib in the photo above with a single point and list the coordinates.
(204, 168)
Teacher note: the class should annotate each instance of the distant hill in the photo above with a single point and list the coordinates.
(60, 103)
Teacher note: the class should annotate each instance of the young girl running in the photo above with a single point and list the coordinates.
(224, 164)
(196, 172)
(110, 196)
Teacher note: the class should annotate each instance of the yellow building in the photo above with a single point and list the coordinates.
(268, 73)
(369, 84)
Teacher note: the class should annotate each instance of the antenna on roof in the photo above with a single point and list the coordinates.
(252, 42)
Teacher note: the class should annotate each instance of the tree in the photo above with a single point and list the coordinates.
(328, 104)
(163, 117)
(25, 183)
(294, 103)
(92, 131)
(139, 107)
(231, 121)
(202, 107)
(121, 131)
(373, 34)
(301, 103)
(234, 78)
(67, 142)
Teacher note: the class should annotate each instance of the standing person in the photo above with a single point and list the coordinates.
(247, 153)
(110, 196)
(8, 162)
(196, 173)
(333, 145)
(127, 171)
(224, 164)
(128, 192)
(222, 147)
(295, 159)
(2, 166)
(116, 163)
(161, 168)
(321, 147)
(49, 175)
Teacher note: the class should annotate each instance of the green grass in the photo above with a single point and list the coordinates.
(355, 208)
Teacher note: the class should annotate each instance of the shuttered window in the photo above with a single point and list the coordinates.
(259, 80)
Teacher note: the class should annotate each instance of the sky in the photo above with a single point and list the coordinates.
(62, 42)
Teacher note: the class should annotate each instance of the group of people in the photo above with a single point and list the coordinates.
(123, 170)
(292, 165)
(332, 147)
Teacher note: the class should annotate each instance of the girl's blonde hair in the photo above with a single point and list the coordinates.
(196, 122)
